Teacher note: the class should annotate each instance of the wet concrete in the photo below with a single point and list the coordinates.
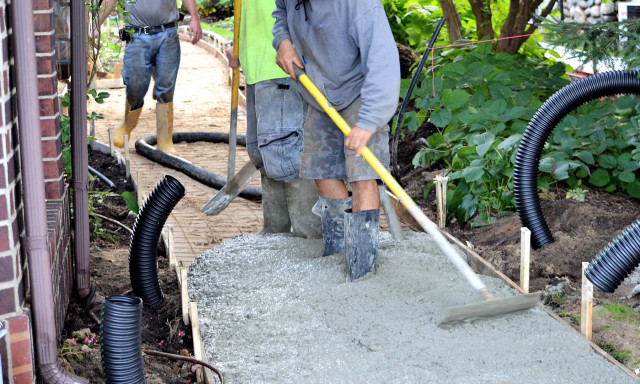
(272, 310)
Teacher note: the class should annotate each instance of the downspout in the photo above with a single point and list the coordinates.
(35, 240)
(79, 156)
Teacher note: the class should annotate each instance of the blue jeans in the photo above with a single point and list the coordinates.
(144, 53)
(275, 114)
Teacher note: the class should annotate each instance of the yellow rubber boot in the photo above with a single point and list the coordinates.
(129, 123)
(164, 128)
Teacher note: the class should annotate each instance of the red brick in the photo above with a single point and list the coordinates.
(54, 189)
(5, 73)
(8, 112)
(45, 64)
(7, 301)
(12, 203)
(43, 22)
(22, 362)
(50, 127)
(6, 269)
(3, 181)
(53, 168)
(44, 43)
(11, 169)
(47, 107)
(8, 139)
(51, 148)
(4, 209)
(15, 229)
(47, 86)
(41, 5)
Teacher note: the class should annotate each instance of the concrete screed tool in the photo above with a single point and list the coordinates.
(491, 306)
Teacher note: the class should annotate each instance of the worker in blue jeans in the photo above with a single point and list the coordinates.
(152, 47)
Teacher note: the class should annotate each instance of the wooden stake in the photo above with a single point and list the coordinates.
(184, 293)
(92, 133)
(140, 191)
(441, 199)
(127, 165)
(198, 347)
(525, 252)
(172, 254)
(111, 146)
(586, 315)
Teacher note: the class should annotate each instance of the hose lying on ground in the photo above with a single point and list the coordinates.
(525, 178)
(143, 267)
(144, 146)
(187, 359)
(616, 261)
(121, 341)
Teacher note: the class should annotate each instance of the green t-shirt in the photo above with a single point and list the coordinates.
(257, 56)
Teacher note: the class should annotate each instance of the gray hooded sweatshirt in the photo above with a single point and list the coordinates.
(348, 50)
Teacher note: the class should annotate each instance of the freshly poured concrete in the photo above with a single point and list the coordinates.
(272, 310)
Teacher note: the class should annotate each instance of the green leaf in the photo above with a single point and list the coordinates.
(586, 157)
(599, 178)
(455, 70)
(607, 161)
(472, 174)
(131, 201)
(468, 206)
(454, 99)
(633, 189)
(627, 177)
(483, 220)
(510, 141)
(441, 118)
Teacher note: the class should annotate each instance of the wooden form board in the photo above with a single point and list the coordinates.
(203, 374)
(482, 266)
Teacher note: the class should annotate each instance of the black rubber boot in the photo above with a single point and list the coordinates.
(331, 212)
(275, 212)
(361, 230)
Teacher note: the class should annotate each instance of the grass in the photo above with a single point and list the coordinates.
(622, 312)
(223, 28)
(621, 356)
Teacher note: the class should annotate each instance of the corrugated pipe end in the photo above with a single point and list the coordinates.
(563, 102)
(616, 261)
(143, 266)
(55, 374)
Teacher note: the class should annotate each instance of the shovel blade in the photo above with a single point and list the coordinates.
(230, 190)
(494, 307)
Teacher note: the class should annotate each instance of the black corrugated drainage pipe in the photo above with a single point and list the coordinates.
(35, 216)
(144, 147)
(616, 261)
(121, 341)
(525, 178)
(143, 266)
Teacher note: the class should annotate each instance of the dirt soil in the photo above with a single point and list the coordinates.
(162, 328)
(580, 230)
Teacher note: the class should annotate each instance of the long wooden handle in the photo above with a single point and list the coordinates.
(430, 227)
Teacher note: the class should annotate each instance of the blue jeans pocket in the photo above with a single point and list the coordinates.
(281, 152)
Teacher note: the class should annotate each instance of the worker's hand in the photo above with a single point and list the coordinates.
(288, 57)
(234, 61)
(357, 139)
(195, 30)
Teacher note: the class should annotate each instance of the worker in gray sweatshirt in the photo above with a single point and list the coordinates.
(347, 49)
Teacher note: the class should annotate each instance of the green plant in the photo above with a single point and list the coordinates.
(621, 356)
(412, 22)
(481, 104)
(578, 193)
(621, 312)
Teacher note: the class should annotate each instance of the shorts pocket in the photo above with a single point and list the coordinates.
(281, 153)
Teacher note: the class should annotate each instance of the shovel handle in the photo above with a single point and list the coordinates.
(430, 227)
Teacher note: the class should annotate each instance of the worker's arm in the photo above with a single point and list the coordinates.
(287, 56)
(195, 30)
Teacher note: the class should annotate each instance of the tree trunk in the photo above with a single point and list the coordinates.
(454, 25)
(482, 11)
(517, 23)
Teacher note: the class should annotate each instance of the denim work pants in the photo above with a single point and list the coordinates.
(143, 54)
(275, 115)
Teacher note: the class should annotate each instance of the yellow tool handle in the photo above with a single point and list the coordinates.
(235, 84)
(430, 227)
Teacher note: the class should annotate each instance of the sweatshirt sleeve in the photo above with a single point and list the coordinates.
(381, 68)
(280, 28)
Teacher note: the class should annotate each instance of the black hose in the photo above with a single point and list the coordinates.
(143, 267)
(525, 174)
(121, 341)
(144, 146)
(616, 261)
(407, 97)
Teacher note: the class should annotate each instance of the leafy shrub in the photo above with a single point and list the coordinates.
(209, 7)
(412, 22)
(483, 102)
